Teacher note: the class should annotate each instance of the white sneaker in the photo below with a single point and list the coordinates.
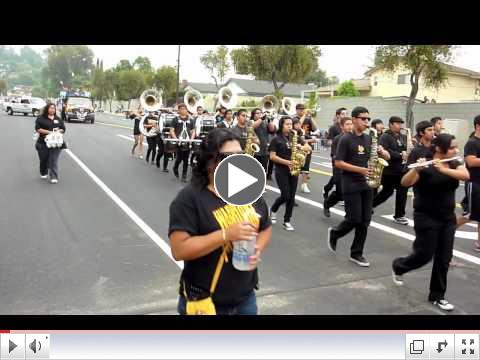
(305, 188)
(444, 305)
(397, 279)
(141, 157)
(273, 217)
(43, 176)
(342, 203)
(54, 181)
(401, 220)
(287, 226)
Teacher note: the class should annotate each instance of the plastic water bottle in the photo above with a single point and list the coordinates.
(242, 250)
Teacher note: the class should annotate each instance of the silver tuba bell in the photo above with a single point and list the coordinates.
(151, 101)
(226, 97)
(269, 103)
(193, 99)
(288, 106)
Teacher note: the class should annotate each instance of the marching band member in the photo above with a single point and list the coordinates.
(472, 187)
(138, 136)
(437, 124)
(378, 125)
(280, 154)
(434, 216)
(241, 129)
(308, 127)
(353, 153)
(47, 122)
(180, 123)
(151, 141)
(263, 126)
(227, 122)
(333, 131)
(220, 114)
(202, 226)
(396, 144)
(336, 196)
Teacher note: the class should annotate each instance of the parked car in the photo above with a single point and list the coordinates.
(24, 105)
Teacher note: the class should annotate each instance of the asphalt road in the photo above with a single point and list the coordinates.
(96, 242)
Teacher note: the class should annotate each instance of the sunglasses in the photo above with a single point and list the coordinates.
(224, 155)
(364, 118)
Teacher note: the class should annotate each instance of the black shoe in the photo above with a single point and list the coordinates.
(331, 240)
(326, 211)
(360, 260)
(165, 170)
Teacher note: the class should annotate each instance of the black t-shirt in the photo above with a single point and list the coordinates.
(218, 118)
(336, 171)
(47, 124)
(308, 126)
(472, 147)
(262, 135)
(225, 125)
(282, 146)
(420, 151)
(394, 143)
(193, 211)
(355, 150)
(333, 131)
(242, 133)
(435, 193)
(177, 124)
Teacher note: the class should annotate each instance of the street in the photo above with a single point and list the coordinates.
(96, 242)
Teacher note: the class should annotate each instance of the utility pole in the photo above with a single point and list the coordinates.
(178, 74)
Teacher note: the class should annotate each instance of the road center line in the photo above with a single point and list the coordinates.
(127, 210)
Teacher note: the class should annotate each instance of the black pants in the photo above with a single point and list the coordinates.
(433, 239)
(358, 208)
(335, 196)
(390, 183)
(48, 159)
(329, 186)
(182, 156)
(263, 159)
(161, 152)
(288, 187)
(152, 147)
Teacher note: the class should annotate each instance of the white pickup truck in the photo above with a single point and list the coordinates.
(25, 106)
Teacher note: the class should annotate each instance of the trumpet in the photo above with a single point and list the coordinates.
(431, 162)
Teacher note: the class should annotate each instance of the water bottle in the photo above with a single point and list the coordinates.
(242, 250)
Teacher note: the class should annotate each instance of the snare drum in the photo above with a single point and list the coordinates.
(171, 146)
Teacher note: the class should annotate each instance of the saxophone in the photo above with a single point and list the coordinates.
(375, 163)
(250, 147)
(409, 143)
(298, 156)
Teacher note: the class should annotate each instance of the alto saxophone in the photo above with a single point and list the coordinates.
(298, 156)
(250, 147)
(375, 163)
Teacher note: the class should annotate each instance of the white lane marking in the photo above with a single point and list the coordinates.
(131, 138)
(321, 157)
(325, 164)
(387, 229)
(459, 233)
(127, 210)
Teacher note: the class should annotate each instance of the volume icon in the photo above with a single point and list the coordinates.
(35, 346)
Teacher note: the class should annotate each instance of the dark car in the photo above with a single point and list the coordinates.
(78, 109)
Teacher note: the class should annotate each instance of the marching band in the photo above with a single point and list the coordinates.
(369, 164)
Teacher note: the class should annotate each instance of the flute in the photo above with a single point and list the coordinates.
(430, 162)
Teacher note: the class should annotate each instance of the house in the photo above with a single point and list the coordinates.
(462, 85)
(362, 85)
(247, 91)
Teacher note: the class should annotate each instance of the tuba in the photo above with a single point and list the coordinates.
(288, 106)
(269, 103)
(250, 147)
(226, 97)
(298, 156)
(375, 163)
(151, 101)
(193, 99)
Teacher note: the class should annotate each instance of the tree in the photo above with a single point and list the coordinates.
(123, 65)
(424, 62)
(165, 80)
(318, 77)
(143, 64)
(130, 85)
(279, 64)
(111, 81)
(217, 63)
(347, 88)
(70, 65)
(3, 87)
(312, 100)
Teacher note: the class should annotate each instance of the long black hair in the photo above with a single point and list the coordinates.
(209, 151)
(281, 122)
(443, 141)
(45, 109)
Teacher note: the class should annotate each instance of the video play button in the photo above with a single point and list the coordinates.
(239, 180)
(11, 346)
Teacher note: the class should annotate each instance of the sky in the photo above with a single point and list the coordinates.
(344, 61)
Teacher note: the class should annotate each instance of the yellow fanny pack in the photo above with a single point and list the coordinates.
(206, 306)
